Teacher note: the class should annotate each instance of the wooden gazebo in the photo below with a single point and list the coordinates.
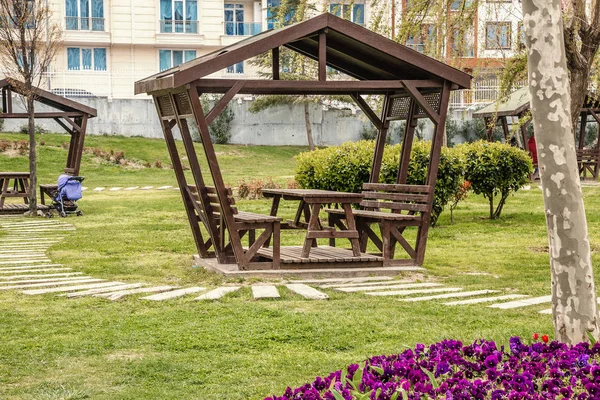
(517, 105)
(413, 86)
(69, 114)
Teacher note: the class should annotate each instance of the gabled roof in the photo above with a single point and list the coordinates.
(518, 102)
(49, 99)
(350, 48)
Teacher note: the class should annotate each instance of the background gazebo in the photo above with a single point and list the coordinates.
(69, 114)
(516, 105)
(413, 86)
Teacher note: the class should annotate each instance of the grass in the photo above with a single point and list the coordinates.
(237, 348)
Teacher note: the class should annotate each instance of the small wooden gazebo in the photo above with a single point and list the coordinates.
(413, 86)
(517, 105)
(69, 114)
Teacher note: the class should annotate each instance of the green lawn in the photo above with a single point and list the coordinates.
(237, 348)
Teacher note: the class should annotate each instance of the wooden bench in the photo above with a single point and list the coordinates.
(244, 223)
(20, 187)
(384, 204)
(588, 161)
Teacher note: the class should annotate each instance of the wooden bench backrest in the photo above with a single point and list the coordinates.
(396, 197)
(588, 155)
(211, 192)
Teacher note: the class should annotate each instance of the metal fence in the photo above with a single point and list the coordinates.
(482, 92)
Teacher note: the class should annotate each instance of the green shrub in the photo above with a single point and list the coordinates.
(346, 167)
(496, 169)
(220, 128)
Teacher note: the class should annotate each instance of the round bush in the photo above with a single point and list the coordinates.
(449, 370)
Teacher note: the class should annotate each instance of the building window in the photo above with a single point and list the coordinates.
(462, 43)
(234, 19)
(236, 68)
(351, 12)
(172, 58)
(179, 16)
(423, 39)
(498, 35)
(457, 5)
(521, 36)
(85, 15)
(88, 59)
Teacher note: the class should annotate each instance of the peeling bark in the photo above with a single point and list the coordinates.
(573, 291)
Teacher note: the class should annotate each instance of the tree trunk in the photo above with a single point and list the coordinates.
(574, 306)
(32, 157)
(579, 84)
(311, 143)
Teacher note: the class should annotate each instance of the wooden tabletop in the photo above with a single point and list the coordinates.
(311, 193)
(4, 175)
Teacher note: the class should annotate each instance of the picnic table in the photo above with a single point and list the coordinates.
(310, 205)
(20, 186)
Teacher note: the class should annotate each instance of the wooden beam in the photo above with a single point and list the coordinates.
(381, 139)
(9, 102)
(595, 116)
(275, 56)
(418, 97)
(409, 134)
(323, 56)
(76, 126)
(80, 141)
(220, 106)
(582, 131)
(263, 86)
(504, 122)
(49, 115)
(364, 106)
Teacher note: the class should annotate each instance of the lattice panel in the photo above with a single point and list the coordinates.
(399, 109)
(165, 106)
(182, 101)
(433, 99)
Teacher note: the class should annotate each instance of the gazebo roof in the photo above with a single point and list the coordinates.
(350, 48)
(49, 99)
(518, 102)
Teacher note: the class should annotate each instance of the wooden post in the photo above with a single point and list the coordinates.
(524, 132)
(80, 142)
(504, 122)
(215, 171)
(582, 130)
(323, 56)
(409, 133)
(434, 162)
(275, 56)
(381, 139)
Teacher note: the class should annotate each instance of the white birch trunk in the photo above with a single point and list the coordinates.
(574, 306)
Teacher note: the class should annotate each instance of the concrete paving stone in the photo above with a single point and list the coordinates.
(164, 187)
(485, 299)
(70, 288)
(21, 256)
(21, 251)
(307, 291)
(343, 280)
(46, 284)
(132, 188)
(115, 288)
(522, 303)
(174, 294)
(34, 271)
(99, 189)
(20, 266)
(147, 187)
(217, 293)
(450, 295)
(389, 287)
(115, 189)
(38, 276)
(260, 292)
(120, 294)
(383, 283)
(409, 292)
(6, 263)
(84, 188)
(42, 280)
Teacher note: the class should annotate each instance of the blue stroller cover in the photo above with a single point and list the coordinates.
(69, 188)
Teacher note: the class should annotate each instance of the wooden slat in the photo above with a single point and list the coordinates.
(394, 205)
(397, 187)
(419, 198)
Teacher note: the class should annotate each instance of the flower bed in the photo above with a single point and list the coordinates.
(449, 370)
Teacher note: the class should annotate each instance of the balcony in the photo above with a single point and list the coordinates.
(242, 28)
(178, 26)
(85, 24)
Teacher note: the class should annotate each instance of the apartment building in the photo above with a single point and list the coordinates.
(109, 44)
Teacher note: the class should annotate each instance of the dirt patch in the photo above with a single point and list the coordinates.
(124, 355)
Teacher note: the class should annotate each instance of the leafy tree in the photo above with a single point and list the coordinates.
(28, 44)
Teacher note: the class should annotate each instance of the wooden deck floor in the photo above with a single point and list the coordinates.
(20, 208)
(322, 254)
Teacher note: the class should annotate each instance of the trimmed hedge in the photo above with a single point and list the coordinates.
(491, 168)
(346, 167)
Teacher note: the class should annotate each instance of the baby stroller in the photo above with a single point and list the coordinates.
(67, 194)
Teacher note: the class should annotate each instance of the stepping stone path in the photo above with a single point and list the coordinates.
(24, 266)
